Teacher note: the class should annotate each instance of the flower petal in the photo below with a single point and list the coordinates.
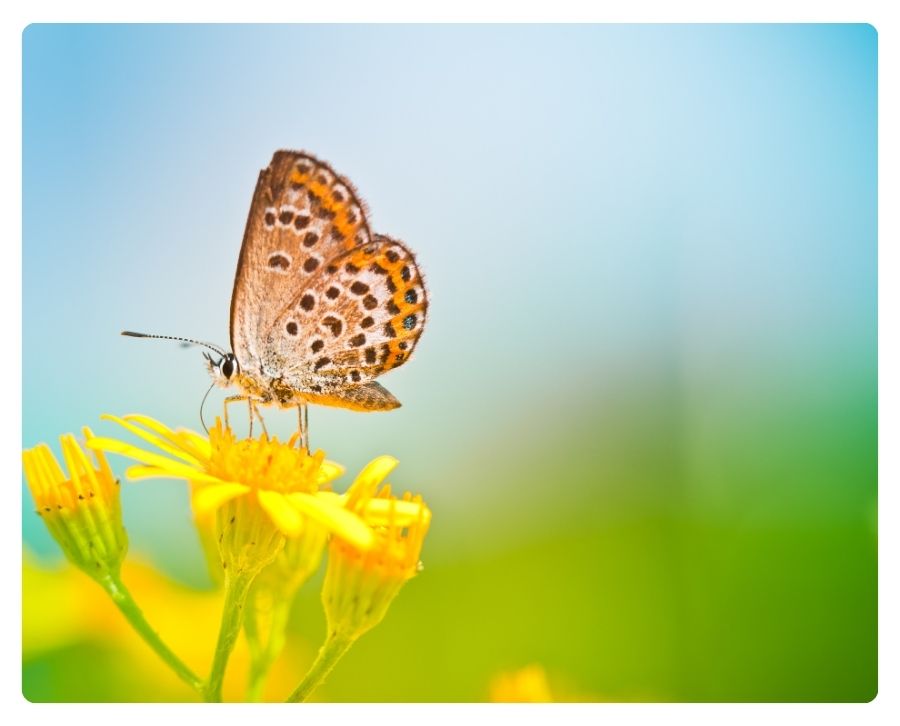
(285, 516)
(337, 500)
(161, 443)
(68, 446)
(139, 471)
(55, 472)
(378, 512)
(207, 499)
(344, 523)
(101, 459)
(371, 476)
(33, 474)
(328, 472)
(194, 443)
(175, 468)
(86, 465)
(46, 468)
(191, 442)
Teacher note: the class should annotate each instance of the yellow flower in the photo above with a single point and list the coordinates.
(81, 509)
(360, 584)
(63, 612)
(526, 685)
(258, 489)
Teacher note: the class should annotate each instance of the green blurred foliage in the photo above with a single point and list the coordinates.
(634, 555)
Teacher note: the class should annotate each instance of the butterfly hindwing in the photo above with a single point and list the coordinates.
(361, 317)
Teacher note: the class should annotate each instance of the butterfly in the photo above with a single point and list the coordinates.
(321, 305)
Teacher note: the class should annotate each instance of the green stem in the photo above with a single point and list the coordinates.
(116, 589)
(329, 654)
(236, 589)
(263, 656)
(255, 684)
(256, 676)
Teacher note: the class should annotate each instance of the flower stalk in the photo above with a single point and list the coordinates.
(333, 649)
(123, 600)
(82, 511)
(236, 588)
(248, 542)
(271, 598)
(265, 647)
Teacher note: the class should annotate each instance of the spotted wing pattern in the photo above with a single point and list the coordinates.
(362, 316)
(302, 214)
(320, 305)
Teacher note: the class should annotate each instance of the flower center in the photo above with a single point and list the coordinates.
(263, 463)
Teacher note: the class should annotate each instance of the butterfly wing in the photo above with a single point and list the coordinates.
(302, 214)
(319, 302)
(362, 316)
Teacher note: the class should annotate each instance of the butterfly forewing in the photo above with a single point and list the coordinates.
(319, 303)
(302, 214)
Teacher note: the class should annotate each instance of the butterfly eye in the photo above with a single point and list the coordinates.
(228, 366)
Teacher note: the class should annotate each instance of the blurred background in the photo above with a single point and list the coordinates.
(644, 408)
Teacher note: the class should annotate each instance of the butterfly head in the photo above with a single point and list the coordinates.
(222, 370)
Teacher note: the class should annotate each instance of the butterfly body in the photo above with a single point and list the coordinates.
(321, 306)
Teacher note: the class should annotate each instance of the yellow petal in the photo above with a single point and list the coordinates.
(329, 471)
(86, 464)
(286, 517)
(154, 425)
(175, 468)
(101, 459)
(377, 512)
(47, 474)
(32, 473)
(337, 500)
(67, 443)
(160, 443)
(342, 522)
(372, 475)
(139, 471)
(55, 473)
(192, 443)
(207, 499)
(195, 443)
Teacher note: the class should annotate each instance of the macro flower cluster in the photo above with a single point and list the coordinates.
(267, 516)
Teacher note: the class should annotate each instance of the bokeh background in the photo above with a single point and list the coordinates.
(644, 409)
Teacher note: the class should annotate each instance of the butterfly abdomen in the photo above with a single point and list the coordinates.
(367, 397)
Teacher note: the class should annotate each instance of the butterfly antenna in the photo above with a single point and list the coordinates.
(202, 422)
(216, 348)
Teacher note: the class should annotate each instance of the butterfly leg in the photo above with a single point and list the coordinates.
(303, 425)
(254, 411)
